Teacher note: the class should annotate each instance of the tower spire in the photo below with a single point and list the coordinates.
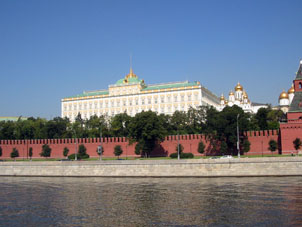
(131, 71)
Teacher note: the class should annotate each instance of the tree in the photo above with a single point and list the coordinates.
(14, 154)
(273, 145)
(0, 151)
(147, 129)
(30, 152)
(246, 146)
(82, 152)
(118, 150)
(201, 147)
(138, 149)
(181, 148)
(223, 147)
(46, 151)
(297, 144)
(65, 152)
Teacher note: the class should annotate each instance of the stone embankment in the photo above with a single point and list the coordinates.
(244, 167)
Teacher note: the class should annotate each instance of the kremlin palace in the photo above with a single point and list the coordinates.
(132, 95)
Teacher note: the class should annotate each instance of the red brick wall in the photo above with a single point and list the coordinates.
(259, 141)
(289, 132)
(259, 144)
(190, 143)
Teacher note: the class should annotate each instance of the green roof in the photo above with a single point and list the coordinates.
(92, 93)
(172, 85)
(131, 80)
(295, 106)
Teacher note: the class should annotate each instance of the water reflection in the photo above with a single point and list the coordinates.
(150, 201)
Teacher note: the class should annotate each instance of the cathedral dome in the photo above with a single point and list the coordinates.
(231, 93)
(283, 95)
(291, 90)
(221, 97)
(238, 87)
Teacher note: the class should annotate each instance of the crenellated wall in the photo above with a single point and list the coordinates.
(259, 141)
(259, 144)
(168, 146)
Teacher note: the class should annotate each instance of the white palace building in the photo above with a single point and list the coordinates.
(131, 95)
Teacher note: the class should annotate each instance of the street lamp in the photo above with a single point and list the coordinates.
(101, 147)
(178, 155)
(75, 142)
(238, 149)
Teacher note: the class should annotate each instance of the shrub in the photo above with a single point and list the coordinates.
(181, 148)
(65, 151)
(182, 155)
(223, 147)
(273, 145)
(297, 144)
(118, 150)
(72, 156)
(46, 151)
(201, 147)
(137, 149)
(246, 146)
(15, 153)
(30, 152)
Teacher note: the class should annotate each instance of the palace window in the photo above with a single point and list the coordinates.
(175, 98)
(182, 98)
(149, 101)
(162, 99)
(155, 100)
(189, 97)
(143, 101)
(136, 101)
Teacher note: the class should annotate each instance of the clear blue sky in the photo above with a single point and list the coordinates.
(53, 49)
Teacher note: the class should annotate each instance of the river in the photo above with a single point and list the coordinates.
(256, 201)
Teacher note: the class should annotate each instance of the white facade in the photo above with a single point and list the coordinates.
(240, 98)
(286, 98)
(132, 96)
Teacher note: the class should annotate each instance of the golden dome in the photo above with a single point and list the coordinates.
(231, 93)
(238, 87)
(221, 97)
(283, 95)
(245, 96)
(291, 90)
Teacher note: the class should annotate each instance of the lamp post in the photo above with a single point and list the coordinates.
(178, 155)
(238, 149)
(75, 142)
(101, 142)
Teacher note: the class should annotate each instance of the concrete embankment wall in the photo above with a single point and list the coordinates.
(244, 167)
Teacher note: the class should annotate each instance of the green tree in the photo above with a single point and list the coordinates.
(82, 152)
(223, 147)
(146, 128)
(119, 125)
(297, 144)
(201, 147)
(30, 152)
(137, 149)
(14, 154)
(46, 151)
(272, 145)
(65, 152)
(118, 150)
(261, 117)
(246, 146)
(181, 148)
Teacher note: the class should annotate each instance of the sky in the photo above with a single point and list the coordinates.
(51, 49)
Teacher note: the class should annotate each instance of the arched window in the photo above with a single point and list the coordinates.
(300, 85)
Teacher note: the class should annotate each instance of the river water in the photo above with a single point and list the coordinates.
(264, 201)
